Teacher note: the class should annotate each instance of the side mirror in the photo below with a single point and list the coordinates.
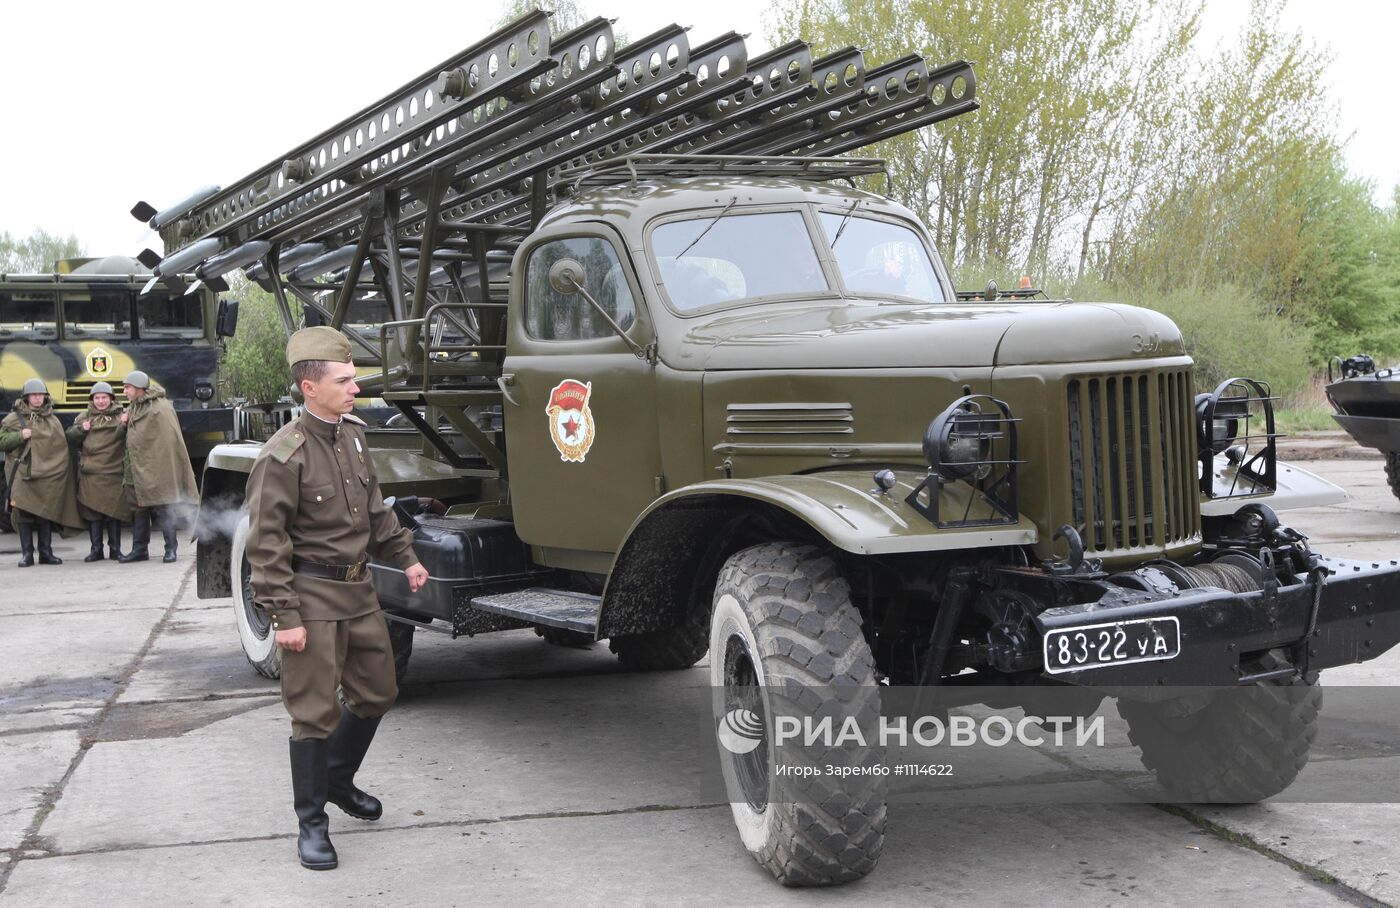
(566, 276)
(311, 317)
(227, 322)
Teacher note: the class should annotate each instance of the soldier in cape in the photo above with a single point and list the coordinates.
(316, 514)
(157, 476)
(38, 473)
(100, 436)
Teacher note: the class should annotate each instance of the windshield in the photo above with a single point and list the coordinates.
(97, 313)
(164, 314)
(28, 314)
(881, 258)
(710, 261)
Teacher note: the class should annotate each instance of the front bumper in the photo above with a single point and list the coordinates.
(1358, 619)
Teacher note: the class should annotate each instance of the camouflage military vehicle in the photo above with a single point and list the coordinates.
(668, 378)
(90, 321)
(1367, 401)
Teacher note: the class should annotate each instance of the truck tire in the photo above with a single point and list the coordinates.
(1392, 472)
(558, 636)
(784, 625)
(668, 649)
(401, 641)
(1243, 745)
(254, 627)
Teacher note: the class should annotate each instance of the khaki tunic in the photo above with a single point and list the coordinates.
(42, 478)
(103, 451)
(313, 493)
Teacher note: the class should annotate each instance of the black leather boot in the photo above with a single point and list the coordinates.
(314, 846)
(26, 542)
(165, 517)
(346, 750)
(140, 537)
(45, 534)
(95, 537)
(114, 539)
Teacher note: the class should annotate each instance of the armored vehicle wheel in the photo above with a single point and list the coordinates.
(401, 640)
(558, 636)
(1240, 746)
(1392, 472)
(784, 632)
(664, 650)
(254, 627)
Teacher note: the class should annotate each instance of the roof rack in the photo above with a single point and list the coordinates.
(634, 168)
(464, 160)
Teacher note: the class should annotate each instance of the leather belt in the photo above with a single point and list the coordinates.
(344, 572)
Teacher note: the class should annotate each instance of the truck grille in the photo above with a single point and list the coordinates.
(1132, 460)
(76, 394)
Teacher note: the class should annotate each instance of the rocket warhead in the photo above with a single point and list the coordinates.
(146, 212)
(331, 261)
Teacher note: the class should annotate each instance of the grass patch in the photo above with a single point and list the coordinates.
(1292, 421)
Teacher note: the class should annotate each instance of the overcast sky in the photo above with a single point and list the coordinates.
(107, 103)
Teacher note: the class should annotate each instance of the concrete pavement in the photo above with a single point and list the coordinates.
(141, 760)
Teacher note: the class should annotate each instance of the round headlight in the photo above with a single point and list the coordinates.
(958, 443)
(204, 391)
(1225, 425)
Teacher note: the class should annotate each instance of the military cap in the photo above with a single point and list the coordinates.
(34, 386)
(137, 379)
(319, 343)
(100, 388)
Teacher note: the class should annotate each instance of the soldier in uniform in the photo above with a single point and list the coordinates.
(315, 512)
(100, 436)
(157, 477)
(38, 473)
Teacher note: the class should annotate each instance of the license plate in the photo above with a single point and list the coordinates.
(1074, 649)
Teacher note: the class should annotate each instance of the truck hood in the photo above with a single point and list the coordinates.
(860, 335)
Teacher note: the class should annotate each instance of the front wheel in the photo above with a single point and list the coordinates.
(785, 638)
(255, 631)
(1232, 746)
(1392, 472)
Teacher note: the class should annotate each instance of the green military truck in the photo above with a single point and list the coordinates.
(94, 320)
(667, 377)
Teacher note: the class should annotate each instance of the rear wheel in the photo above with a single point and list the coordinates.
(668, 649)
(401, 641)
(1233, 746)
(786, 639)
(558, 636)
(255, 631)
(1392, 472)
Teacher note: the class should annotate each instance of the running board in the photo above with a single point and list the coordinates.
(551, 608)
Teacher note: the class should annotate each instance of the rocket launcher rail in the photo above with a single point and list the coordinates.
(479, 141)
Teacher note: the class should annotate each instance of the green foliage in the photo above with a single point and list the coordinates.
(1231, 332)
(256, 366)
(568, 14)
(1112, 160)
(36, 253)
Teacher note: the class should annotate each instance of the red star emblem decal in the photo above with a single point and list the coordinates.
(571, 428)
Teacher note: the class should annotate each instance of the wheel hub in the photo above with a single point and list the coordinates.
(743, 690)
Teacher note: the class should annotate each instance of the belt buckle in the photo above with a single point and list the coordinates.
(355, 571)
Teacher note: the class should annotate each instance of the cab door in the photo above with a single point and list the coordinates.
(580, 406)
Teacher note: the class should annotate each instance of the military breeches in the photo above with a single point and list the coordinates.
(352, 654)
